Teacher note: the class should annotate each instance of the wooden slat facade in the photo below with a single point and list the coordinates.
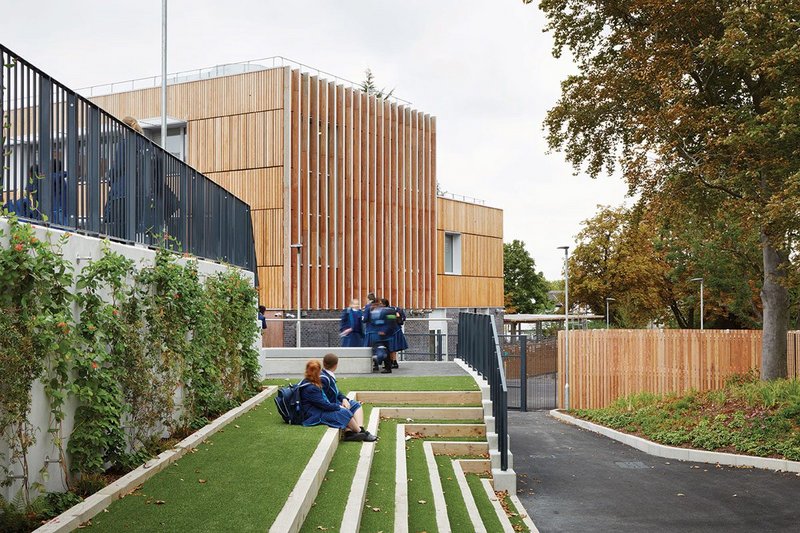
(480, 283)
(350, 176)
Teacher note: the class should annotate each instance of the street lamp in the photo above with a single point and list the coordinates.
(566, 325)
(607, 315)
(299, 248)
(701, 300)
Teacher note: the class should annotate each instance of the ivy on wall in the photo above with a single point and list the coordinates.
(122, 342)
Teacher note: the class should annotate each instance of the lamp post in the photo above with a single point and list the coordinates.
(299, 248)
(701, 300)
(164, 76)
(566, 325)
(607, 315)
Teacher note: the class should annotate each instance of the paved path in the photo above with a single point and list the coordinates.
(575, 480)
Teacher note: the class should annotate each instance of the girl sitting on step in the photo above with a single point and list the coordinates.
(317, 409)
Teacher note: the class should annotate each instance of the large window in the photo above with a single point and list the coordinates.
(452, 253)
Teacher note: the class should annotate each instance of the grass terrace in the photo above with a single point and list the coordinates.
(240, 478)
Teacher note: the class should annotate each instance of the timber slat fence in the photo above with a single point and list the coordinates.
(608, 364)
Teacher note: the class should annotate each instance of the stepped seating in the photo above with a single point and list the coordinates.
(446, 423)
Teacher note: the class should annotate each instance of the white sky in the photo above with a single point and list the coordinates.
(483, 68)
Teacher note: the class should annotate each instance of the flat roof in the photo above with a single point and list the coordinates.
(532, 319)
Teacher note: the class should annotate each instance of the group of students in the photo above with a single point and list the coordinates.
(321, 401)
(379, 325)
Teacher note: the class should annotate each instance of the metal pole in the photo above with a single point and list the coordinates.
(566, 325)
(701, 306)
(701, 301)
(299, 248)
(164, 76)
(608, 321)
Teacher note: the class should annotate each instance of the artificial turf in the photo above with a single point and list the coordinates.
(378, 515)
(421, 510)
(456, 507)
(485, 507)
(328, 510)
(237, 480)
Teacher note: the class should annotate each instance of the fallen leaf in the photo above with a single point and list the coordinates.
(681, 494)
(322, 528)
(331, 470)
(422, 501)
(160, 502)
(237, 427)
(376, 509)
(201, 480)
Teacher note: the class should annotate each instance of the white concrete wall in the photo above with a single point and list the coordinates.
(79, 250)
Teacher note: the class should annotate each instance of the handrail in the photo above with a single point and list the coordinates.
(479, 347)
(71, 165)
(215, 72)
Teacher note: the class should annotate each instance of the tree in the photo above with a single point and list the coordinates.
(369, 87)
(686, 98)
(525, 289)
(644, 259)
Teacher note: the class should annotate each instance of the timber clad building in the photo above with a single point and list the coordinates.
(350, 176)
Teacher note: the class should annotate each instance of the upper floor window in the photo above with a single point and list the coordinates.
(452, 253)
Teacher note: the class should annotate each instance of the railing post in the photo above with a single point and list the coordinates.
(71, 206)
(45, 185)
(523, 370)
(93, 175)
(439, 341)
(129, 217)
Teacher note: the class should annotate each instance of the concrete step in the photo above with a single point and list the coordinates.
(433, 413)
(421, 397)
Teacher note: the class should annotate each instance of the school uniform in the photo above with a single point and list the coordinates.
(332, 392)
(351, 319)
(396, 340)
(377, 328)
(318, 410)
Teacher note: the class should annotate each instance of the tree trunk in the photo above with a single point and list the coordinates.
(775, 299)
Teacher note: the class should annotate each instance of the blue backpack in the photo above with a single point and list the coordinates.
(288, 403)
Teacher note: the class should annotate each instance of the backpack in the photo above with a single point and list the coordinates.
(288, 403)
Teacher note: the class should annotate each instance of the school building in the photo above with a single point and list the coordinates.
(349, 176)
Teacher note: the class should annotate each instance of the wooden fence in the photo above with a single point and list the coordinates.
(607, 364)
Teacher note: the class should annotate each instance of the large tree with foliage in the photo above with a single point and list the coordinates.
(687, 97)
(525, 289)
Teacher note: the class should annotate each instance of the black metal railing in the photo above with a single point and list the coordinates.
(515, 358)
(69, 164)
(479, 347)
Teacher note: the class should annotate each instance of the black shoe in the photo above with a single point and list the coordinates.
(369, 437)
(386, 371)
(350, 436)
(394, 364)
(375, 368)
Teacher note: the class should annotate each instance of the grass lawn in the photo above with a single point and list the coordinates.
(420, 383)
(747, 416)
(238, 480)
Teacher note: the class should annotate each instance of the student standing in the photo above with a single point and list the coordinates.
(350, 325)
(396, 339)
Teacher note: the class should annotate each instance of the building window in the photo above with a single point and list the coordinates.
(452, 253)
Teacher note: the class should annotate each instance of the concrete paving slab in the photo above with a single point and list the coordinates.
(571, 480)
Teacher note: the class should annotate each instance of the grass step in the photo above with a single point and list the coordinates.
(231, 482)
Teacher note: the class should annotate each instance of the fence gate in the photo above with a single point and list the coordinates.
(531, 371)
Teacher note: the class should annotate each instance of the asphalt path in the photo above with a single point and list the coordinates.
(574, 480)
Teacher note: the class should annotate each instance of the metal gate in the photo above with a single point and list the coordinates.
(531, 371)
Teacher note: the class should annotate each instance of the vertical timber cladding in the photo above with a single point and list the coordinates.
(362, 190)
(480, 283)
(236, 136)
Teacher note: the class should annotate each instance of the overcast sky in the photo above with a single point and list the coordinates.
(483, 68)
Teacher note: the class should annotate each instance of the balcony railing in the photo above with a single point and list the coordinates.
(70, 165)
